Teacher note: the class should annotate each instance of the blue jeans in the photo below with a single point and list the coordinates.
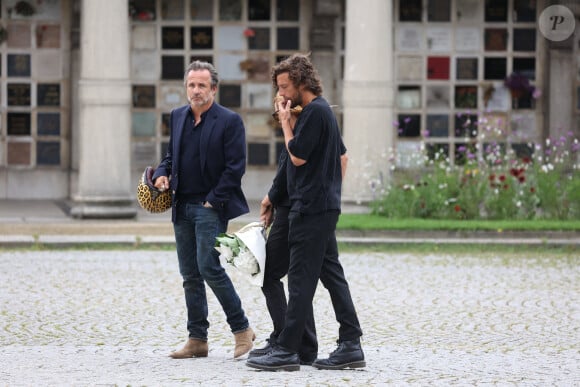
(195, 230)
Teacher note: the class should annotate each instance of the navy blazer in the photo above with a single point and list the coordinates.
(222, 157)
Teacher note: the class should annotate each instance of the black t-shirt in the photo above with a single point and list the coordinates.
(315, 187)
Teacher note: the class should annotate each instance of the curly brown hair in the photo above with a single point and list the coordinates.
(300, 71)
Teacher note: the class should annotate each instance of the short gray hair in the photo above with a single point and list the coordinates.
(199, 65)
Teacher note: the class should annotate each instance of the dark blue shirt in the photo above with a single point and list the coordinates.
(315, 187)
(191, 181)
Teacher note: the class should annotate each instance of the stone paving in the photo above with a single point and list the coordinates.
(105, 318)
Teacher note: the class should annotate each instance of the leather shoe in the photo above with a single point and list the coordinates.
(349, 354)
(278, 359)
(307, 359)
(261, 351)
(244, 342)
(193, 348)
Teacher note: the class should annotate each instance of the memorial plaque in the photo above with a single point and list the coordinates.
(230, 95)
(18, 124)
(163, 148)
(468, 11)
(172, 9)
(494, 68)
(439, 11)
(321, 34)
(259, 10)
(410, 10)
(466, 68)
(172, 38)
(288, 38)
(496, 10)
(229, 9)
(142, 10)
(289, 10)
(47, 36)
(143, 96)
(493, 127)
(467, 39)
(495, 39)
(203, 58)
(437, 125)
(499, 98)
(524, 39)
(438, 67)
(409, 39)
(439, 39)
(525, 67)
(466, 97)
(407, 152)
(466, 125)
(48, 124)
(18, 94)
(48, 94)
(258, 154)
(171, 96)
(18, 65)
(143, 37)
(259, 95)
(143, 124)
(409, 125)
(258, 124)
(19, 36)
(410, 68)
(203, 9)
(523, 127)
(165, 124)
(524, 11)
(438, 96)
(229, 65)
(230, 38)
(409, 97)
(201, 38)
(48, 153)
(172, 67)
(260, 40)
(18, 153)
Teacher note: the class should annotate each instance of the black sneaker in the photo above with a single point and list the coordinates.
(266, 349)
(349, 354)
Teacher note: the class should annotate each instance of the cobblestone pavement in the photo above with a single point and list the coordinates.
(102, 318)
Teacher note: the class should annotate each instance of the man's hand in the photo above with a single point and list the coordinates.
(266, 211)
(162, 183)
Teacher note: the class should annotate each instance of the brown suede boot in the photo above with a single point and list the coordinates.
(193, 348)
(244, 342)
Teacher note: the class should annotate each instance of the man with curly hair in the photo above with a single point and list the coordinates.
(314, 180)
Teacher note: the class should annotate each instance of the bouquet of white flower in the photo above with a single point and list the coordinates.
(245, 250)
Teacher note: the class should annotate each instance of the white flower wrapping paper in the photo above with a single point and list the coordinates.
(245, 250)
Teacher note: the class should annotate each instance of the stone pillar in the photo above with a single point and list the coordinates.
(368, 97)
(105, 188)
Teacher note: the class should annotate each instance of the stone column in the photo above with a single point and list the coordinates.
(368, 97)
(105, 188)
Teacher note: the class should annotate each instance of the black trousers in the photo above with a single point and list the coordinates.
(313, 257)
(277, 261)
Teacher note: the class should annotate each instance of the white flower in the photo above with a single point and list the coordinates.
(235, 252)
